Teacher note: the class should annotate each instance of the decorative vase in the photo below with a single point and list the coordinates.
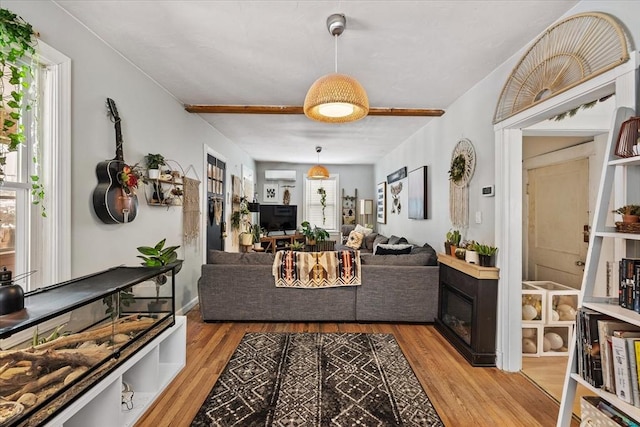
(485, 260)
(471, 257)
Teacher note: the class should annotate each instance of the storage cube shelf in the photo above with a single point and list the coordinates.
(555, 340)
(531, 340)
(549, 308)
(533, 303)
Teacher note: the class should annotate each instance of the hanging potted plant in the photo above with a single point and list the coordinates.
(154, 161)
(17, 61)
(323, 202)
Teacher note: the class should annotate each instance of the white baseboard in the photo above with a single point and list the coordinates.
(188, 306)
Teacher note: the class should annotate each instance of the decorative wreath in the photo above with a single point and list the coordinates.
(463, 163)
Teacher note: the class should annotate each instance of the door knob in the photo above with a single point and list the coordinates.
(580, 263)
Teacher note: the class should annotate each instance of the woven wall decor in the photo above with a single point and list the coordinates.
(569, 53)
(463, 164)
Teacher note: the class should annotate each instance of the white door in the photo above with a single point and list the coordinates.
(558, 213)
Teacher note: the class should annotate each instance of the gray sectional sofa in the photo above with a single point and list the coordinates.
(395, 288)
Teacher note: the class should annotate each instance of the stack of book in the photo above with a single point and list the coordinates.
(629, 289)
(608, 354)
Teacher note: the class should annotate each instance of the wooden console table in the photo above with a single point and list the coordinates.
(275, 242)
(467, 306)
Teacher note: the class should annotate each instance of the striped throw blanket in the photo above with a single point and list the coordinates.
(293, 269)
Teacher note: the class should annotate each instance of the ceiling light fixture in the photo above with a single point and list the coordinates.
(318, 171)
(336, 98)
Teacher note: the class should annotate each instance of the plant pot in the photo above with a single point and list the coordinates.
(460, 253)
(471, 257)
(447, 248)
(257, 245)
(311, 241)
(453, 250)
(246, 239)
(485, 260)
(153, 173)
(627, 219)
(156, 306)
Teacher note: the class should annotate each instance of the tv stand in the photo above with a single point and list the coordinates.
(278, 242)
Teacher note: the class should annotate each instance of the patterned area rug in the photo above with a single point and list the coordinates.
(317, 379)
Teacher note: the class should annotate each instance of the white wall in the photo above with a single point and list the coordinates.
(152, 121)
(470, 116)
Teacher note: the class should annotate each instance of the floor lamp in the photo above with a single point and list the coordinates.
(366, 209)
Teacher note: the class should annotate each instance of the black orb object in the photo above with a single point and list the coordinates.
(11, 295)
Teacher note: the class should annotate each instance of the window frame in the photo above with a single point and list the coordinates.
(312, 200)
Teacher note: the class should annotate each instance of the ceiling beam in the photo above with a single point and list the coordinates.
(292, 109)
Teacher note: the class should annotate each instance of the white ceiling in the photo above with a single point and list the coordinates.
(407, 54)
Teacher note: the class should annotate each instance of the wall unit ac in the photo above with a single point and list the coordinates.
(279, 175)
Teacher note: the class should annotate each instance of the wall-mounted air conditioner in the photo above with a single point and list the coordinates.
(279, 175)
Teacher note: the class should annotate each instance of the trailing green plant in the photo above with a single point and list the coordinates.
(321, 234)
(316, 233)
(18, 59)
(454, 237)
(154, 161)
(37, 339)
(240, 217)
(323, 202)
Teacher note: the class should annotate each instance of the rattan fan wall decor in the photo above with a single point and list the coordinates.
(569, 53)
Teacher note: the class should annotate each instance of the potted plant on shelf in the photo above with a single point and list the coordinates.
(630, 213)
(453, 240)
(471, 253)
(154, 161)
(256, 232)
(308, 232)
(296, 245)
(486, 255)
(158, 256)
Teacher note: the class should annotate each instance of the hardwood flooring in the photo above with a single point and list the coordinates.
(463, 395)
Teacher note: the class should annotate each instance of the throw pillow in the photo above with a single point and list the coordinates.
(429, 251)
(395, 240)
(355, 240)
(387, 249)
(367, 242)
(364, 230)
(379, 239)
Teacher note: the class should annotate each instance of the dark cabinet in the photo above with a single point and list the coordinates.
(467, 305)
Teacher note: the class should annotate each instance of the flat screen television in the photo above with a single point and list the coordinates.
(283, 218)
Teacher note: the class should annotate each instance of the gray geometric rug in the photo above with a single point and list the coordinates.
(317, 379)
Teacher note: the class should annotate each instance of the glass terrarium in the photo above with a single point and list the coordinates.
(70, 335)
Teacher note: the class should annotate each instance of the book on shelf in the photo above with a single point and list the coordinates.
(606, 328)
(624, 366)
(629, 289)
(589, 345)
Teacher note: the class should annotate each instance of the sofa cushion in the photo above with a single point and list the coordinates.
(240, 258)
(379, 239)
(388, 249)
(364, 230)
(354, 241)
(398, 260)
(395, 240)
(367, 242)
(432, 256)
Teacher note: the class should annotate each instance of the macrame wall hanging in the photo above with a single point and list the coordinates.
(463, 164)
(191, 210)
(569, 53)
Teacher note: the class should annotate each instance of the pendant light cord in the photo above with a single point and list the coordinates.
(335, 37)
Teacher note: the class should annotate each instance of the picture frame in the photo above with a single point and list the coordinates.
(418, 193)
(381, 203)
(271, 193)
(397, 175)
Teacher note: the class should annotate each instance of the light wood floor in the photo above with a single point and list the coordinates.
(463, 395)
(548, 373)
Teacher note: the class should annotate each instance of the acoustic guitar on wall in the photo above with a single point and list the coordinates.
(113, 201)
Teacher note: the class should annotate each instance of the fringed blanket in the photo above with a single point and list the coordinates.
(293, 269)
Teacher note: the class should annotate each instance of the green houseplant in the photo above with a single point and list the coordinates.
(323, 202)
(486, 255)
(315, 234)
(18, 59)
(630, 213)
(154, 161)
(158, 256)
(452, 242)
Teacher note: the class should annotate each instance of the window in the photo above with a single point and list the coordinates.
(312, 207)
(32, 247)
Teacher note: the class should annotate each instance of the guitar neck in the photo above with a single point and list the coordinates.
(119, 153)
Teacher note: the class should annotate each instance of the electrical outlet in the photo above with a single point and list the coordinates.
(478, 217)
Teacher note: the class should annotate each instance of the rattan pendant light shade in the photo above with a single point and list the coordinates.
(318, 171)
(567, 54)
(336, 98)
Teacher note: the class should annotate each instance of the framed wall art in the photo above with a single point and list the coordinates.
(271, 193)
(418, 193)
(381, 203)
